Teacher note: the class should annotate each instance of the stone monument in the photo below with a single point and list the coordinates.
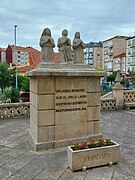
(64, 45)
(78, 46)
(65, 103)
(47, 45)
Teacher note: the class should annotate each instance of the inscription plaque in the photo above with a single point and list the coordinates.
(67, 100)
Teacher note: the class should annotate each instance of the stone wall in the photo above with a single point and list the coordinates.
(11, 110)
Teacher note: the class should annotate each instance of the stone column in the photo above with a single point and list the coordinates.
(118, 92)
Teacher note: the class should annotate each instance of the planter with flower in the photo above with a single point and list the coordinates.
(92, 154)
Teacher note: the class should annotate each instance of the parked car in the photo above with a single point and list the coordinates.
(25, 96)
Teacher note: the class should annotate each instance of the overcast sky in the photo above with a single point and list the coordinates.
(97, 20)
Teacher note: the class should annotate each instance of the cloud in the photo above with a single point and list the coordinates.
(95, 19)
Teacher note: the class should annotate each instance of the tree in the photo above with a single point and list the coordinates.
(25, 84)
(5, 76)
(133, 77)
(111, 77)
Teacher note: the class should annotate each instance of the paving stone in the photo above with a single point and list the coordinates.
(53, 169)
(73, 175)
(18, 161)
(4, 173)
(9, 155)
(100, 173)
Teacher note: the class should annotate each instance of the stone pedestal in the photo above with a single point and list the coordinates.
(65, 104)
(118, 94)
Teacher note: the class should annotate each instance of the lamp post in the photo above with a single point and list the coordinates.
(15, 26)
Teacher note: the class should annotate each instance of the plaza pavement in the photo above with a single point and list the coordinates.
(18, 160)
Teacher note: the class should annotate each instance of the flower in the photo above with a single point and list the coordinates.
(92, 144)
(104, 142)
(86, 147)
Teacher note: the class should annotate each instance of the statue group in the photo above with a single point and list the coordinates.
(66, 54)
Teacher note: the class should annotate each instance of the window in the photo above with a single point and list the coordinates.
(133, 60)
(133, 51)
(129, 60)
(133, 42)
(129, 51)
(110, 43)
(129, 42)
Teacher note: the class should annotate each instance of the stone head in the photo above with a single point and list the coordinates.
(64, 32)
(46, 31)
(77, 35)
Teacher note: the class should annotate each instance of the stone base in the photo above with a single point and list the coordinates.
(65, 104)
(61, 143)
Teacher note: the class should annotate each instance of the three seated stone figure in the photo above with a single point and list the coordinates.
(47, 45)
(64, 44)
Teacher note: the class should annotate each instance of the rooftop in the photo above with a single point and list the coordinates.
(19, 161)
(116, 37)
(94, 44)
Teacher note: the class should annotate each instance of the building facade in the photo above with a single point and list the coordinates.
(119, 63)
(17, 55)
(111, 48)
(130, 55)
(93, 54)
(2, 55)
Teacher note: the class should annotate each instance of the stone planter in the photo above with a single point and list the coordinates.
(88, 158)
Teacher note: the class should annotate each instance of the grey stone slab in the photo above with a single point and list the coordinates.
(29, 171)
(120, 176)
(100, 173)
(20, 161)
(73, 175)
(53, 169)
(9, 155)
(17, 141)
(4, 149)
(4, 173)
(129, 142)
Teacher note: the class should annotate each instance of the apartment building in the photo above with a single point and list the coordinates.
(2, 55)
(93, 54)
(111, 48)
(119, 63)
(18, 55)
(130, 54)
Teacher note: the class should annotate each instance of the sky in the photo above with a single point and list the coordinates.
(96, 20)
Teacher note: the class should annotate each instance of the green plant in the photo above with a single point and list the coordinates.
(92, 144)
(13, 95)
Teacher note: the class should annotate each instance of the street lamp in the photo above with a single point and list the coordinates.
(15, 26)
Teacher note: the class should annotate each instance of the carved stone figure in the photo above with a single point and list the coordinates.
(47, 45)
(78, 46)
(64, 45)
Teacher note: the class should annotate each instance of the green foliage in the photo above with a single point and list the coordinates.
(4, 76)
(99, 68)
(25, 84)
(112, 77)
(133, 77)
(8, 78)
(13, 95)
